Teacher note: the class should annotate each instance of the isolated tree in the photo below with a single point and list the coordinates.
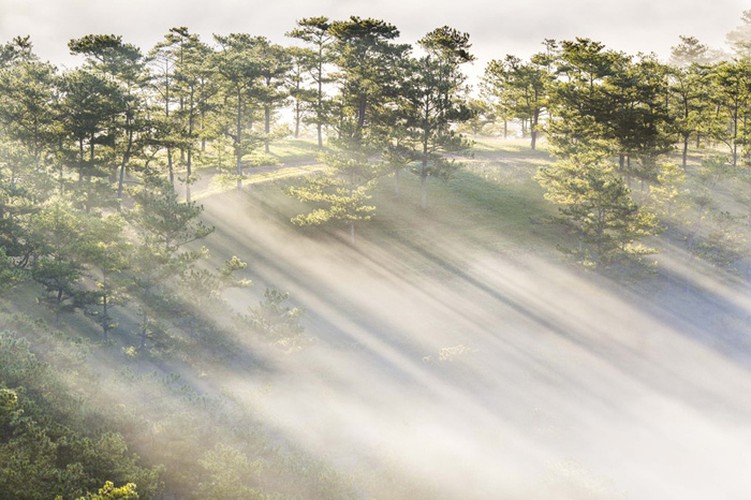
(168, 57)
(105, 252)
(340, 195)
(163, 225)
(315, 32)
(365, 55)
(595, 202)
(193, 74)
(59, 246)
(689, 51)
(276, 321)
(240, 72)
(435, 96)
(304, 99)
(692, 111)
(274, 65)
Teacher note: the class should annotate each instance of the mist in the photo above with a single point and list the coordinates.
(253, 270)
(497, 28)
(450, 371)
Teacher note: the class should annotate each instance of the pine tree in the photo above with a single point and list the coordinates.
(596, 203)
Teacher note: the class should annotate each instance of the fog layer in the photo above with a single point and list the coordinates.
(440, 368)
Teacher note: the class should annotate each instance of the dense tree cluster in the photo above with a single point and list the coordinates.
(598, 106)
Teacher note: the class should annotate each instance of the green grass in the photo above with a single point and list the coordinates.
(488, 204)
(292, 150)
(492, 201)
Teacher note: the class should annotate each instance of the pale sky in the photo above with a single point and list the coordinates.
(496, 27)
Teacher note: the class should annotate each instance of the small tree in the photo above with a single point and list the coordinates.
(164, 226)
(341, 194)
(106, 255)
(596, 203)
(315, 31)
(435, 100)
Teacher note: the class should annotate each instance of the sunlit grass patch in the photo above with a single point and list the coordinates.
(469, 207)
(220, 184)
(294, 150)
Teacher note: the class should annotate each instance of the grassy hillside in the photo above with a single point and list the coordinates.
(452, 352)
(458, 353)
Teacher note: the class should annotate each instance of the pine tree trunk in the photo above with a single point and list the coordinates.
(144, 328)
(189, 163)
(104, 316)
(267, 126)
(189, 175)
(238, 146)
(297, 119)
(685, 152)
(424, 190)
(319, 125)
(126, 159)
(169, 167)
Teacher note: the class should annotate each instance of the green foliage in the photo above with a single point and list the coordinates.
(229, 474)
(433, 102)
(690, 51)
(71, 140)
(341, 194)
(732, 94)
(164, 223)
(10, 275)
(597, 204)
(315, 31)
(276, 321)
(110, 492)
(204, 286)
(606, 99)
(338, 202)
(669, 196)
(45, 449)
(366, 57)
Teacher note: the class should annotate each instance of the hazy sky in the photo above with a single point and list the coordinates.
(496, 27)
